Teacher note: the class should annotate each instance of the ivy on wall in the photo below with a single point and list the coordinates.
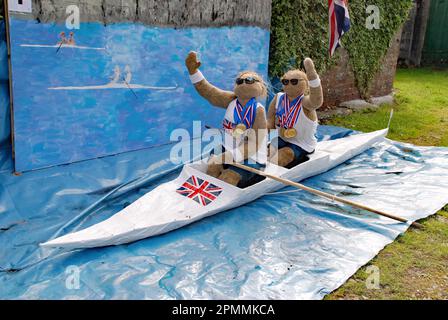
(300, 29)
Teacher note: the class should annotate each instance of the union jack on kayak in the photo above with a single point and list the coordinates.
(201, 191)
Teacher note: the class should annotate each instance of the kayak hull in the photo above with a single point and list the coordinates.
(194, 196)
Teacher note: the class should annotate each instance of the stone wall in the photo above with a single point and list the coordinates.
(172, 13)
(339, 82)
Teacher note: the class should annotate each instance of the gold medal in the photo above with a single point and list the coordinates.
(290, 133)
(239, 130)
(282, 132)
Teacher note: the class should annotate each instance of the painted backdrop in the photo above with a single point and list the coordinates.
(122, 87)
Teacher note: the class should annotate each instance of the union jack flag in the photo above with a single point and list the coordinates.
(339, 22)
(227, 125)
(201, 191)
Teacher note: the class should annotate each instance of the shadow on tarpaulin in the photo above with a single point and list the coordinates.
(287, 245)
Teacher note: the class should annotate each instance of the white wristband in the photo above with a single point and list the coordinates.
(314, 83)
(197, 77)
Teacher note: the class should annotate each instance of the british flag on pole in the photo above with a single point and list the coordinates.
(201, 191)
(339, 22)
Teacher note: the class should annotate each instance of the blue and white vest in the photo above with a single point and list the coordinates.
(306, 129)
(232, 143)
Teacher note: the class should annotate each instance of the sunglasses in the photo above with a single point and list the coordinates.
(248, 80)
(294, 82)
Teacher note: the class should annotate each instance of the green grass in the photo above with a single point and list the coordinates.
(421, 110)
(415, 266)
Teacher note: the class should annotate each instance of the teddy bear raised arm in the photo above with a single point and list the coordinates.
(244, 123)
(293, 113)
(217, 97)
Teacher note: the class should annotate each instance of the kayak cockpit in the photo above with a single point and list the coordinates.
(316, 160)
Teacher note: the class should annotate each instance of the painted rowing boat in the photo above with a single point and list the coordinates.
(58, 46)
(194, 195)
(111, 86)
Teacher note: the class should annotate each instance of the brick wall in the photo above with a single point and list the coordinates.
(339, 82)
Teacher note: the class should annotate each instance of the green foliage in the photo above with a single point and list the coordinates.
(367, 47)
(300, 29)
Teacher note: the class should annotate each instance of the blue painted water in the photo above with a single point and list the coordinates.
(62, 126)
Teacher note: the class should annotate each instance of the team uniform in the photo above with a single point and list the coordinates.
(238, 119)
(299, 132)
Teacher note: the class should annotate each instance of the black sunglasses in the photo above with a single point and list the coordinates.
(294, 82)
(248, 80)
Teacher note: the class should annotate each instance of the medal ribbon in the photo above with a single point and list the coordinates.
(245, 115)
(288, 113)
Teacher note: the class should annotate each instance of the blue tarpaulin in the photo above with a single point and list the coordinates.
(282, 246)
(287, 245)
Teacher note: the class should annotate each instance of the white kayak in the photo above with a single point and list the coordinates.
(194, 195)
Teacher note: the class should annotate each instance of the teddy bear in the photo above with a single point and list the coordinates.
(244, 124)
(293, 113)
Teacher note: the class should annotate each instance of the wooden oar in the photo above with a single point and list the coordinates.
(325, 195)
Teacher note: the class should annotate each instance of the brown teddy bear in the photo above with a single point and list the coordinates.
(245, 125)
(293, 113)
